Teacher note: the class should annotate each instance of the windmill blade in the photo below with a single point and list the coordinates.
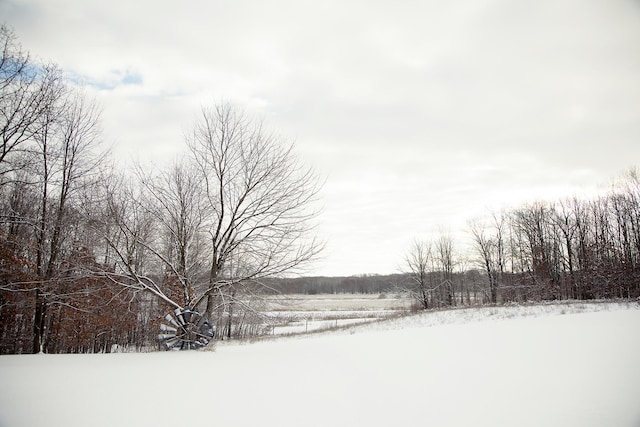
(203, 335)
(165, 328)
(169, 318)
(171, 343)
(201, 321)
(208, 329)
(178, 314)
(163, 337)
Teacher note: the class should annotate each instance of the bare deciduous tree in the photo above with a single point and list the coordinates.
(418, 261)
(28, 93)
(237, 209)
(444, 250)
(259, 200)
(486, 248)
(67, 160)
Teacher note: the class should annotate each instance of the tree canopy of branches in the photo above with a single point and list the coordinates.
(430, 270)
(28, 93)
(50, 158)
(236, 209)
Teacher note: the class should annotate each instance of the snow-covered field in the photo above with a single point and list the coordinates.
(338, 302)
(294, 314)
(555, 365)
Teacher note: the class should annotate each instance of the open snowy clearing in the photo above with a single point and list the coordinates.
(484, 367)
(337, 302)
(295, 314)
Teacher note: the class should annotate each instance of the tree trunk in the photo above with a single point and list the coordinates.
(39, 322)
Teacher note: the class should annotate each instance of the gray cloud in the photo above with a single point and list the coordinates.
(419, 113)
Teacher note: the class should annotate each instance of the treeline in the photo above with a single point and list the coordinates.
(364, 284)
(51, 161)
(571, 249)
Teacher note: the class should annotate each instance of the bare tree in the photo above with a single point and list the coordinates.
(259, 200)
(174, 199)
(50, 154)
(444, 251)
(67, 159)
(237, 209)
(418, 262)
(28, 92)
(128, 229)
(566, 223)
(542, 247)
(486, 249)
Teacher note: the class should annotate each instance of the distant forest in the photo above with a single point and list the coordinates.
(363, 284)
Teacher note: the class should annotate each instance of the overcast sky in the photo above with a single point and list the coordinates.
(420, 115)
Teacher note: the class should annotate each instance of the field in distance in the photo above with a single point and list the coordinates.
(290, 314)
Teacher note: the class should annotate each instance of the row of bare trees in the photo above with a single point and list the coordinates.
(570, 249)
(91, 257)
(51, 160)
(438, 276)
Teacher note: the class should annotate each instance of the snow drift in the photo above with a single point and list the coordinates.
(480, 368)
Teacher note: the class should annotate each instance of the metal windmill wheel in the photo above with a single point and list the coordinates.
(188, 330)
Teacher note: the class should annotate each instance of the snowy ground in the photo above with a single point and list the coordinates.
(294, 314)
(338, 302)
(565, 365)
